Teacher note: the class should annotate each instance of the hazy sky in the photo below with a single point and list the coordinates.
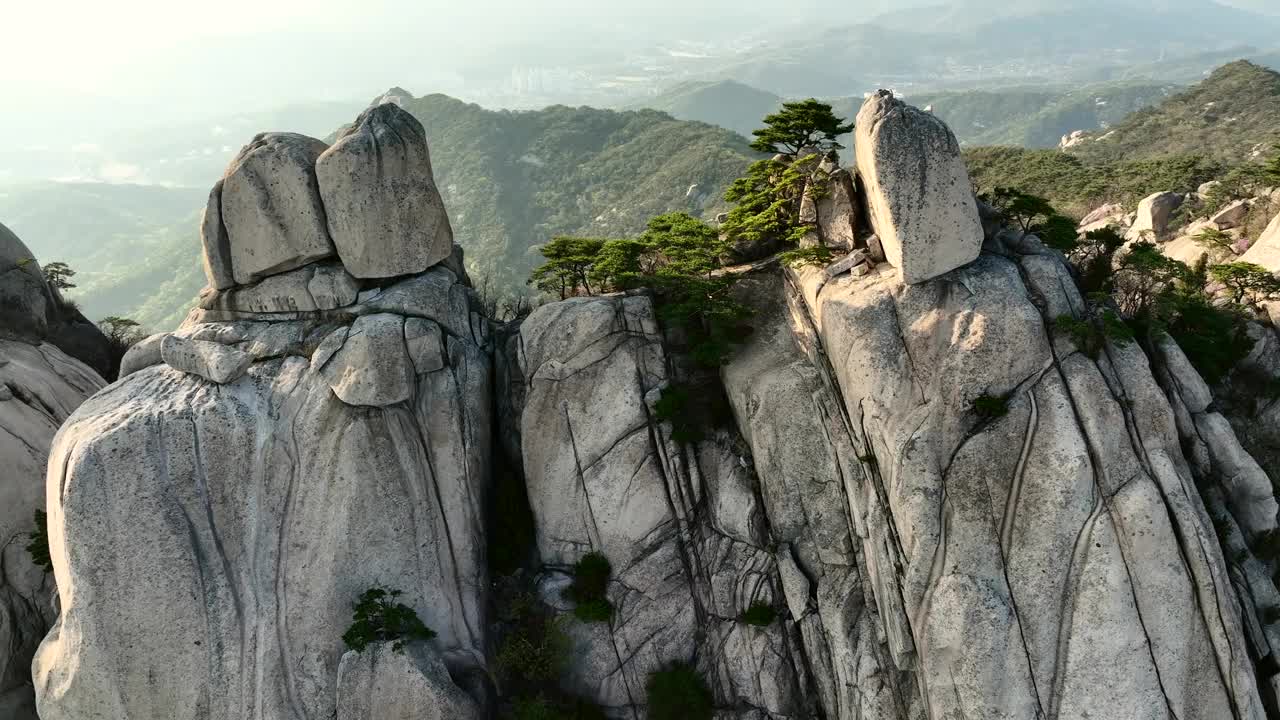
(132, 47)
(136, 63)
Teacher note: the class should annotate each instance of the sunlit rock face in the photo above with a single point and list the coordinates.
(1068, 511)
(917, 189)
(950, 509)
(384, 211)
(680, 524)
(300, 439)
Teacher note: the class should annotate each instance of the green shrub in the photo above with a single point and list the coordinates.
(591, 611)
(1215, 240)
(533, 708)
(534, 648)
(1252, 389)
(590, 588)
(1215, 339)
(1036, 215)
(542, 707)
(38, 547)
(1091, 334)
(379, 618)
(705, 309)
(1267, 545)
(532, 656)
(990, 407)
(760, 614)
(674, 406)
(678, 692)
(800, 257)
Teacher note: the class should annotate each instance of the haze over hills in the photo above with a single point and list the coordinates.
(1027, 116)
(186, 153)
(619, 57)
(511, 180)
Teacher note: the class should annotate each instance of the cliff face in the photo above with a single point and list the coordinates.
(297, 441)
(40, 385)
(953, 511)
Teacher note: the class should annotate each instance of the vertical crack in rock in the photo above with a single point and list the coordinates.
(1103, 499)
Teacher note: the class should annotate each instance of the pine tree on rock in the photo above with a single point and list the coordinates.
(799, 125)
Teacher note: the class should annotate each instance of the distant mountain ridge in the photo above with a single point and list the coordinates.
(1224, 118)
(729, 104)
(1027, 116)
(511, 180)
(929, 49)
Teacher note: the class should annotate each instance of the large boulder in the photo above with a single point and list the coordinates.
(267, 217)
(1265, 251)
(382, 682)
(210, 360)
(918, 190)
(313, 287)
(384, 211)
(25, 298)
(1108, 215)
(1154, 213)
(371, 364)
(214, 514)
(837, 208)
(1231, 216)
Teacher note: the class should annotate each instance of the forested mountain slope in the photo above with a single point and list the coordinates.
(1224, 117)
(511, 181)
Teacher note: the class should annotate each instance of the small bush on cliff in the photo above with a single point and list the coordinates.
(38, 547)
(991, 407)
(678, 692)
(590, 588)
(1216, 241)
(532, 656)
(1091, 334)
(1093, 257)
(674, 406)
(800, 257)
(379, 618)
(567, 270)
(678, 256)
(760, 614)
(1246, 282)
(542, 707)
(766, 201)
(122, 333)
(534, 648)
(1033, 214)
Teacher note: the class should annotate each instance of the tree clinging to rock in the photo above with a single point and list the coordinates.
(800, 125)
